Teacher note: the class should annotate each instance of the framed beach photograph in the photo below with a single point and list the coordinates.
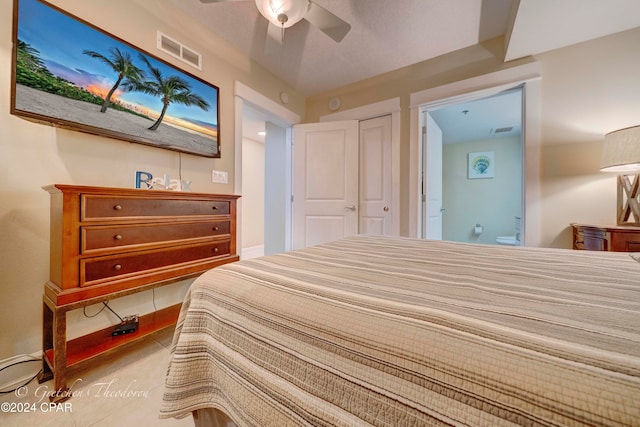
(481, 165)
(69, 73)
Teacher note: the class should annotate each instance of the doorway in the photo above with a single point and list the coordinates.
(528, 76)
(263, 216)
(276, 114)
(266, 185)
(473, 170)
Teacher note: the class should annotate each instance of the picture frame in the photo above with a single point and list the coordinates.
(481, 165)
(85, 79)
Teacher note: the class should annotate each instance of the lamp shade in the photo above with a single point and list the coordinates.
(621, 151)
(283, 13)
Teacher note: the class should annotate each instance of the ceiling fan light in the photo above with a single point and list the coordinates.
(293, 10)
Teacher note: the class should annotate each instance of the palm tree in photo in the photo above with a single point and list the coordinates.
(29, 57)
(172, 89)
(121, 63)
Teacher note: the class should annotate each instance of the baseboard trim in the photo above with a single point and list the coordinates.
(252, 252)
(15, 376)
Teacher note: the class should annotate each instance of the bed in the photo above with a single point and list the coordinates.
(406, 332)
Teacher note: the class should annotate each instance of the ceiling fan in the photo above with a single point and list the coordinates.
(283, 14)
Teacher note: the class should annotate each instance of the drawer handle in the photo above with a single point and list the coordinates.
(117, 267)
(215, 250)
(118, 237)
(117, 208)
(216, 228)
(214, 208)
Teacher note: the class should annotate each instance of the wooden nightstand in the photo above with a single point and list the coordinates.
(616, 238)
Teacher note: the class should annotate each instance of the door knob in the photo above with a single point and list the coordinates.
(386, 209)
(351, 208)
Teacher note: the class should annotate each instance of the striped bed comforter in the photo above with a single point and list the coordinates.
(406, 332)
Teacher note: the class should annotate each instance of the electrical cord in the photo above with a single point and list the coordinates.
(84, 311)
(111, 310)
(23, 385)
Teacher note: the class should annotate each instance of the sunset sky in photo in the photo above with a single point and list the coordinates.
(61, 40)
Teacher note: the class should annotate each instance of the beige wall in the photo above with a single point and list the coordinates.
(588, 90)
(463, 64)
(33, 155)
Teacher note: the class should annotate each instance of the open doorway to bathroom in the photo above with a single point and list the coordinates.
(472, 154)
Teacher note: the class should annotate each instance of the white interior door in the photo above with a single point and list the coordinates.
(432, 198)
(375, 177)
(325, 182)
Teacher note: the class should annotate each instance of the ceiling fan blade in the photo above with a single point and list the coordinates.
(327, 22)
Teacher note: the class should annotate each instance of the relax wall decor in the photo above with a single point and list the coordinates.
(69, 73)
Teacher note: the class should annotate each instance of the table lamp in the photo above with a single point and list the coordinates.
(621, 154)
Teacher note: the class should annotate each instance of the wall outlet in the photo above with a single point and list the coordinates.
(219, 177)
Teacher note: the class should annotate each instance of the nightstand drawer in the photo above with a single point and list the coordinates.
(98, 207)
(606, 238)
(100, 269)
(99, 238)
(626, 242)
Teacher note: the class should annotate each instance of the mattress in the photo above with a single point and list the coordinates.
(406, 332)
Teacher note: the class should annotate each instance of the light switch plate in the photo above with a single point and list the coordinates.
(219, 177)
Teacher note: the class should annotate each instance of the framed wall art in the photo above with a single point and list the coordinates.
(69, 73)
(481, 165)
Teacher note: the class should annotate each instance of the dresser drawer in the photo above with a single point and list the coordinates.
(616, 238)
(100, 269)
(99, 238)
(98, 207)
(590, 239)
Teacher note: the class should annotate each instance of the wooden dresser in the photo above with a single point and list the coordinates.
(606, 238)
(110, 242)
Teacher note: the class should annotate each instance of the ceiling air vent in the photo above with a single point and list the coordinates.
(503, 129)
(180, 51)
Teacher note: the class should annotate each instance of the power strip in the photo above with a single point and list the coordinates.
(128, 325)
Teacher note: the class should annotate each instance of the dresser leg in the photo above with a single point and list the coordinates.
(60, 354)
(47, 343)
(54, 344)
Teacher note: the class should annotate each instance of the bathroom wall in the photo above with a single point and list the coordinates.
(491, 202)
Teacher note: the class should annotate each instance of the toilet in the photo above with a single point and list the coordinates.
(511, 240)
(507, 240)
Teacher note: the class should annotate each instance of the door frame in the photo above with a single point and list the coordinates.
(277, 114)
(428, 162)
(383, 108)
(529, 77)
(428, 181)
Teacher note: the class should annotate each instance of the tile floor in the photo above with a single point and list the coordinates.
(125, 391)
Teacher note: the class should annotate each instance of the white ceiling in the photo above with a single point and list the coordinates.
(497, 116)
(390, 34)
(387, 35)
(544, 25)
